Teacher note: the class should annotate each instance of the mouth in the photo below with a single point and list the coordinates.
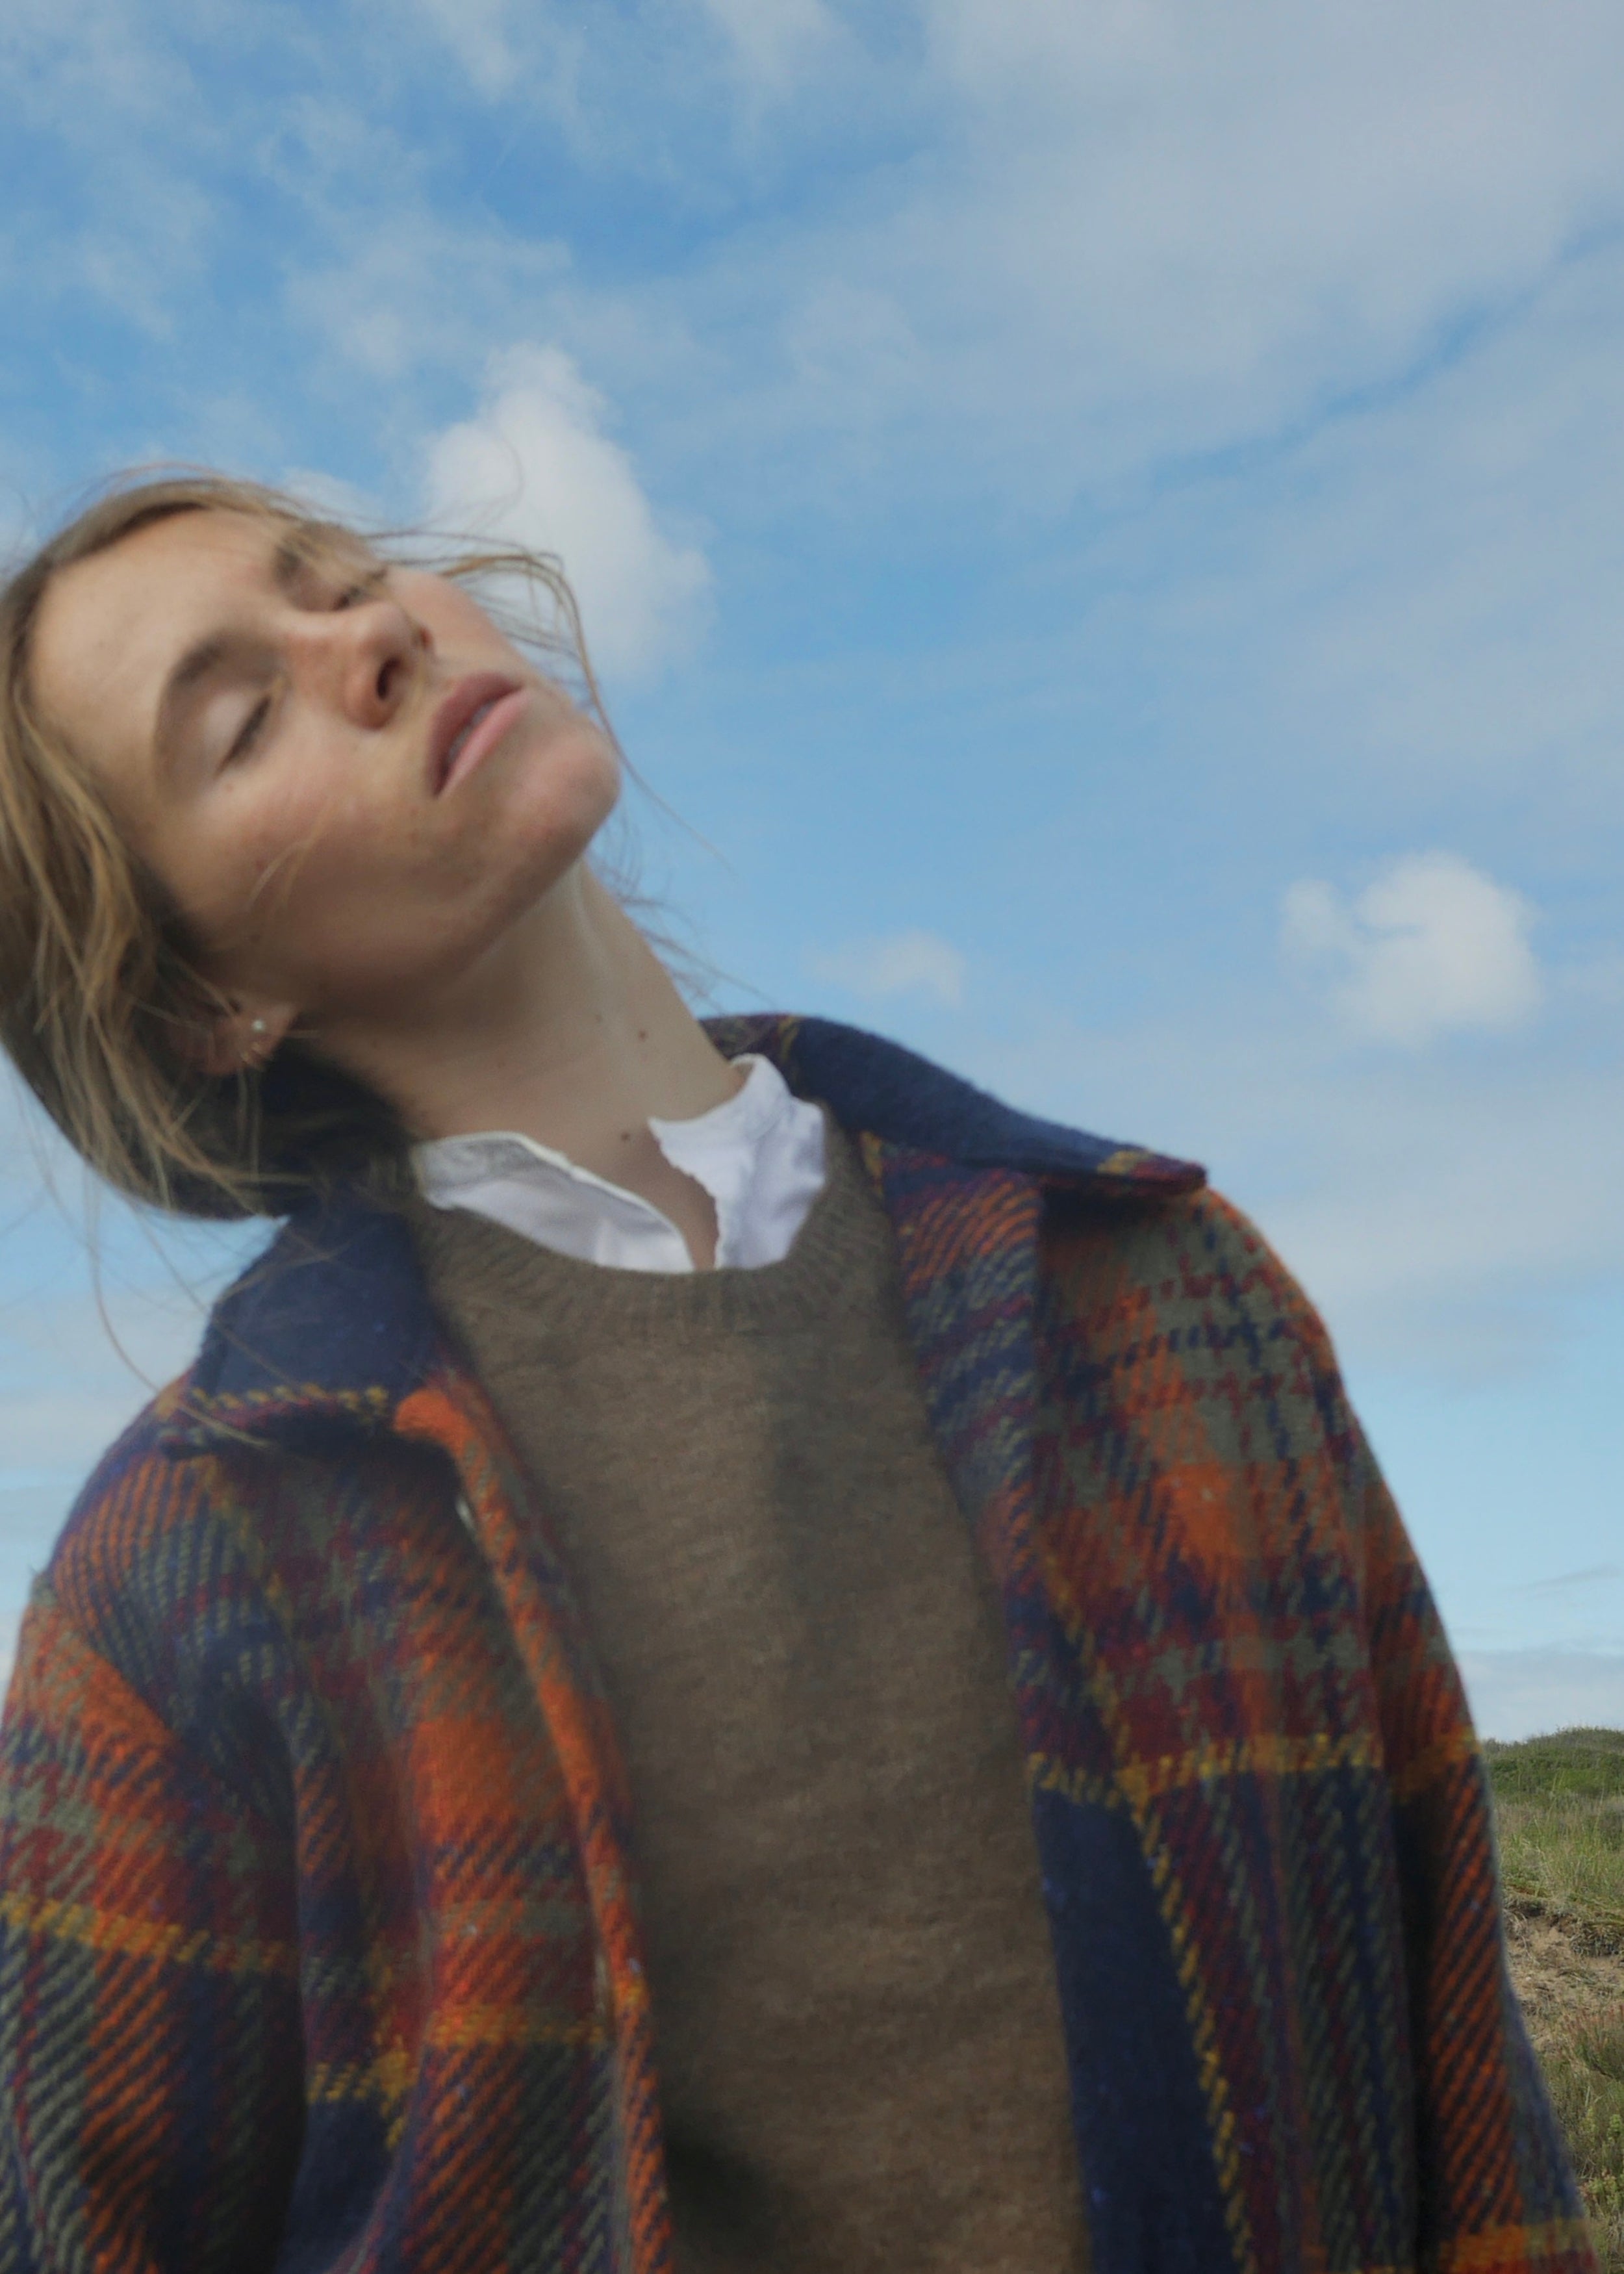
(470, 721)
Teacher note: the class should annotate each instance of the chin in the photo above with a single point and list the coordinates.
(545, 828)
(574, 770)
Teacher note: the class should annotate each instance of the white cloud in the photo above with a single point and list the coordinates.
(1431, 947)
(901, 963)
(537, 466)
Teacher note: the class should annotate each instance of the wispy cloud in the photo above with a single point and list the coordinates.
(1060, 255)
(388, 287)
(1096, 272)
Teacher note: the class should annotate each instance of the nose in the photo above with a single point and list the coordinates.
(369, 655)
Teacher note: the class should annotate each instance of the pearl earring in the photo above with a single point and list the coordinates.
(256, 1026)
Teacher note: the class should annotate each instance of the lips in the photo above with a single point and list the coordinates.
(466, 726)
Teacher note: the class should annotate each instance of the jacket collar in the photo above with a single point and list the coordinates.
(332, 1326)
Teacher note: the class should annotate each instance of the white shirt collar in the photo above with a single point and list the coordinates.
(759, 1155)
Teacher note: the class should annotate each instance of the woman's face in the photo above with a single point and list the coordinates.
(351, 783)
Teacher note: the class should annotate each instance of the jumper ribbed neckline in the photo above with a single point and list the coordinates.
(827, 1269)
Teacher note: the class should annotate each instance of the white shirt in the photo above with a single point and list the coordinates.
(759, 1155)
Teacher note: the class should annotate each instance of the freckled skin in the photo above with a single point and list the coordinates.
(319, 869)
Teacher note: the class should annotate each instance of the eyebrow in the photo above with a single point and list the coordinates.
(294, 553)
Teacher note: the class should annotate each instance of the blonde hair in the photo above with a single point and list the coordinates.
(100, 983)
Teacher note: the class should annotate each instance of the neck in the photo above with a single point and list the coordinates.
(571, 1032)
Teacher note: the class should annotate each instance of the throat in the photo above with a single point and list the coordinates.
(638, 1165)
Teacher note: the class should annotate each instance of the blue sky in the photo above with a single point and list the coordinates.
(1107, 525)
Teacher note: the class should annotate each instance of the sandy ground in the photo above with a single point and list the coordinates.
(1562, 1973)
(1569, 1975)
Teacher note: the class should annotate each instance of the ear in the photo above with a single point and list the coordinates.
(239, 1040)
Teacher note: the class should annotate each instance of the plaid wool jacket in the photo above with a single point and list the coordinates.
(319, 1945)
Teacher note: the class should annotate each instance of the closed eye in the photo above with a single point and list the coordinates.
(248, 733)
(344, 596)
(367, 589)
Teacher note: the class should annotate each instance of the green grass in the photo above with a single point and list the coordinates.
(1585, 1764)
(1559, 1810)
(1560, 1802)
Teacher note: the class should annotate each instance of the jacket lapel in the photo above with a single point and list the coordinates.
(967, 1257)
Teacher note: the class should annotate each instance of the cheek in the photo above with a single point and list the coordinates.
(294, 836)
(315, 900)
(271, 869)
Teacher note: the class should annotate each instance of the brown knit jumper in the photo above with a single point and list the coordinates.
(856, 2020)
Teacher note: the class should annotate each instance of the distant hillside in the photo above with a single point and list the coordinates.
(1590, 1762)
(1559, 1805)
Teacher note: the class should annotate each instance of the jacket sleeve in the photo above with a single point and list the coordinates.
(150, 2064)
(1496, 2190)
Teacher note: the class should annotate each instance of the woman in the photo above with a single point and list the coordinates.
(732, 1656)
